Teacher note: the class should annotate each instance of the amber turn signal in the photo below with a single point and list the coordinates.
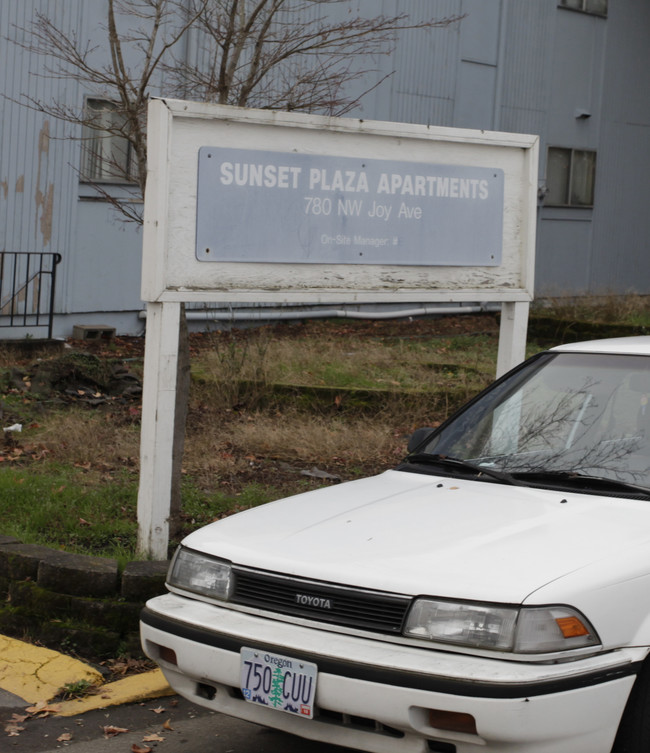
(571, 627)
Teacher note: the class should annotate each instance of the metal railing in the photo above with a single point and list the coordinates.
(27, 287)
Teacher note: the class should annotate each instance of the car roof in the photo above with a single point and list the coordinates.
(639, 345)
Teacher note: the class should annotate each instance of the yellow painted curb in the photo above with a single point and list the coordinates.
(37, 674)
(129, 690)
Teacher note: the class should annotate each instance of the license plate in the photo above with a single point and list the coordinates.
(279, 682)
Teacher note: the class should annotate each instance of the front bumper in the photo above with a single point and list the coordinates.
(376, 696)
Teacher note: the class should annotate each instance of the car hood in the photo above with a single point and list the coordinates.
(420, 534)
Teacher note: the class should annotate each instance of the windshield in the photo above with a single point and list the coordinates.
(577, 413)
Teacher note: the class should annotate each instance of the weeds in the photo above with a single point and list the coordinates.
(237, 362)
(77, 689)
(272, 412)
(610, 309)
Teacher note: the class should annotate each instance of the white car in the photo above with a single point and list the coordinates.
(490, 594)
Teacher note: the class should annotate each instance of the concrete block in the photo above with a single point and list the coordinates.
(21, 561)
(78, 574)
(144, 580)
(92, 332)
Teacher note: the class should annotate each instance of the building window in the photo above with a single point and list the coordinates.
(570, 177)
(597, 7)
(107, 153)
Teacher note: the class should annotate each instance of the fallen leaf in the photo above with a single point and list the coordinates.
(43, 708)
(13, 730)
(153, 738)
(19, 718)
(64, 738)
(159, 710)
(168, 726)
(137, 749)
(111, 731)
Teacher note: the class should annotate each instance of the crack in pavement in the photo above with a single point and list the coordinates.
(36, 674)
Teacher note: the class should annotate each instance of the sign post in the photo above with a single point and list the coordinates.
(261, 206)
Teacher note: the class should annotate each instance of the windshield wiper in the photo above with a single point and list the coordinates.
(456, 464)
(582, 481)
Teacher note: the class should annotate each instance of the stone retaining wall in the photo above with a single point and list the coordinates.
(73, 602)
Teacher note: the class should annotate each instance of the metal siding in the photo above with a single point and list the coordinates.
(523, 64)
(480, 31)
(38, 198)
(475, 101)
(601, 65)
(563, 262)
(528, 47)
(426, 69)
(578, 60)
(626, 90)
(621, 220)
(106, 273)
(421, 73)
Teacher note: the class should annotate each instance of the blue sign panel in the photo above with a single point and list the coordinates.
(265, 206)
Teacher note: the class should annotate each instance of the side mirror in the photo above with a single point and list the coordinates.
(418, 437)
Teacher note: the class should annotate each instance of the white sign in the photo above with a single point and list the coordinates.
(448, 215)
(261, 206)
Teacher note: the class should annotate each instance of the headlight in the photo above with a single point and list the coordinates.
(201, 574)
(525, 630)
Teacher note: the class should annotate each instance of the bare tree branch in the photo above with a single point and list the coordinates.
(150, 28)
(262, 56)
(277, 54)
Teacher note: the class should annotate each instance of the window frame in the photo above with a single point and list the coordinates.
(584, 9)
(569, 186)
(96, 167)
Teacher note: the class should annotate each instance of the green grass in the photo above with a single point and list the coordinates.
(201, 507)
(59, 507)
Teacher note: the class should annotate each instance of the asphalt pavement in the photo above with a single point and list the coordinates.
(139, 714)
(31, 678)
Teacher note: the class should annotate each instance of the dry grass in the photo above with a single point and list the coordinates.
(235, 414)
(630, 308)
(296, 439)
(82, 438)
(399, 364)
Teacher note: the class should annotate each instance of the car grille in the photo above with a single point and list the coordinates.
(325, 602)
